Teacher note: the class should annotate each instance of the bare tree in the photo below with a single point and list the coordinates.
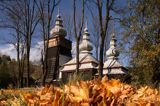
(95, 28)
(95, 33)
(78, 31)
(30, 19)
(13, 21)
(46, 9)
(68, 24)
(103, 24)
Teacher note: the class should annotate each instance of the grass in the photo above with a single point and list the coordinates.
(75, 77)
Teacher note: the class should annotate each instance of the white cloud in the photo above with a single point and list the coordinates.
(36, 51)
(8, 49)
(35, 54)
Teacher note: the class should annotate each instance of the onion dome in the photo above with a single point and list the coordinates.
(86, 45)
(58, 30)
(112, 52)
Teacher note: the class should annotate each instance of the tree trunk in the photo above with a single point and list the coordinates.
(77, 55)
(45, 65)
(18, 60)
(22, 63)
(100, 71)
(77, 36)
(28, 70)
(28, 62)
(97, 51)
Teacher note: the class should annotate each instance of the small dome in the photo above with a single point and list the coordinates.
(58, 30)
(112, 52)
(86, 45)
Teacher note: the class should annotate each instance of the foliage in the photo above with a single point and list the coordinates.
(9, 70)
(6, 72)
(142, 32)
(83, 93)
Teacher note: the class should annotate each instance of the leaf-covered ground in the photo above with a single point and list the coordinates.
(83, 93)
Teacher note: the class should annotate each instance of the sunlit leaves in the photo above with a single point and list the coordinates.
(83, 93)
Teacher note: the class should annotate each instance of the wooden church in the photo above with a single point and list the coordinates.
(61, 65)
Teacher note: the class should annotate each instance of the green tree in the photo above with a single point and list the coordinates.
(5, 72)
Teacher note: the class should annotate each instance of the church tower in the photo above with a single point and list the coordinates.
(59, 49)
(112, 67)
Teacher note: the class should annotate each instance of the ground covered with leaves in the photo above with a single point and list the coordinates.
(83, 93)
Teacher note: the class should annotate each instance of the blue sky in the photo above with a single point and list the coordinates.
(65, 8)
